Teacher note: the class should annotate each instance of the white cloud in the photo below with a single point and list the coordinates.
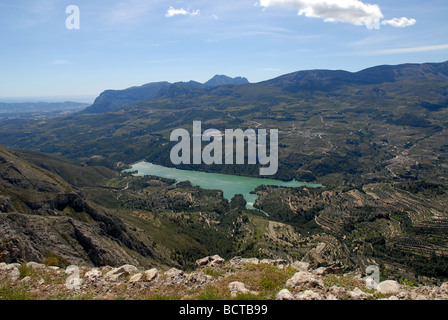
(183, 12)
(61, 62)
(353, 12)
(413, 50)
(400, 22)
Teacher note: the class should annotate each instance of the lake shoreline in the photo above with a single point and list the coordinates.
(230, 185)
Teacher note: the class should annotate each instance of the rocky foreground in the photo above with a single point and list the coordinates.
(213, 279)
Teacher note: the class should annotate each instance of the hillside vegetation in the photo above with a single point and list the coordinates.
(376, 139)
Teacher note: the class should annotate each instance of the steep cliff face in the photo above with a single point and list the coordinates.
(41, 215)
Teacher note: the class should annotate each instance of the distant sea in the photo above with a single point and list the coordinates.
(82, 99)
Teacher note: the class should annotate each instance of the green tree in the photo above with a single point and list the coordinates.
(238, 202)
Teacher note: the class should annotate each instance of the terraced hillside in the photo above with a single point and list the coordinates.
(392, 223)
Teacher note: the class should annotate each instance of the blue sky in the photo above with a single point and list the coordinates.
(124, 43)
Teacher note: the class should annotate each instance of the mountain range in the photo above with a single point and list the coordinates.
(325, 79)
(112, 100)
(376, 139)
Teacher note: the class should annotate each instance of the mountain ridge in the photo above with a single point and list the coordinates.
(321, 78)
(43, 216)
(221, 80)
(112, 100)
(316, 79)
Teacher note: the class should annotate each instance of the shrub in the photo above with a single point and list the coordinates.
(8, 293)
(24, 270)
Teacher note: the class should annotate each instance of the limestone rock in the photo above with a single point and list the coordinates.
(202, 262)
(277, 262)
(136, 277)
(127, 268)
(303, 278)
(371, 283)
(244, 261)
(389, 287)
(14, 273)
(300, 265)
(121, 272)
(250, 261)
(338, 292)
(93, 275)
(35, 265)
(308, 295)
(322, 271)
(284, 294)
(211, 260)
(151, 274)
(173, 272)
(358, 294)
(11, 269)
(303, 285)
(8, 267)
(27, 279)
(404, 295)
(197, 279)
(237, 288)
(174, 276)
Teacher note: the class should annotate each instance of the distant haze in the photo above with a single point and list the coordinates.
(82, 99)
